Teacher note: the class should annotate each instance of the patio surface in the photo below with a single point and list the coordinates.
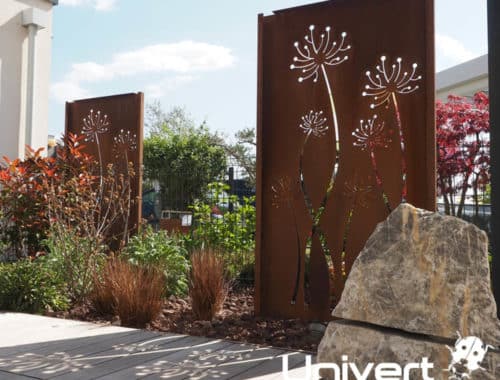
(37, 347)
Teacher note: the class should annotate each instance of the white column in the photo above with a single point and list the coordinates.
(33, 19)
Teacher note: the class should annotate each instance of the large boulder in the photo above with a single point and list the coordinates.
(426, 273)
(365, 345)
(421, 278)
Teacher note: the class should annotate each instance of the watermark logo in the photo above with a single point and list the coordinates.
(349, 370)
(466, 357)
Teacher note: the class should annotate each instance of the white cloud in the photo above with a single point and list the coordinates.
(98, 5)
(104, 5)
(67, 91)
(89, 72)
(450, 52)
(183, 57)
(179, 57)
(159, 89)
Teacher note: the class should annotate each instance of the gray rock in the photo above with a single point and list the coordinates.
(363, 345)
(425, 273)
(317, 328)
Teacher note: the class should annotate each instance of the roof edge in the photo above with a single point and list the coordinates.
(474, 69)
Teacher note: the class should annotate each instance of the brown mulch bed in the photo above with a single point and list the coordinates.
(236, 322)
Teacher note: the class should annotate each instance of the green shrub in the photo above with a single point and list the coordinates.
(31, 286)
(231, 232)
(163, 251)
(75, 258)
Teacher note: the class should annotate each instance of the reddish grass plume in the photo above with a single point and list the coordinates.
(134, 292)
(208, 286)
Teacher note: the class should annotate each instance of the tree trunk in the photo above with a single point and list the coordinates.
(445, 197)
(452, 196)
(465, 185)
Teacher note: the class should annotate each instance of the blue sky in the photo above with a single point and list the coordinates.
(197, 54)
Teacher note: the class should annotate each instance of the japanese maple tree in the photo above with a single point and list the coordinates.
(463, 150)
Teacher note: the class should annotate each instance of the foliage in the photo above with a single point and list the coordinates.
(231, 232)
(75, 257)
(182, 158)
(208, 287)
(164, 252)
(39, 190)
(83, 210)
(177, 120)
(23, 219)
(31, 286)
(463, 149)
(4, 250)
(101, 297)
(244, 152)
(136, 291)
(59, 204)
(92, 205)
(486, 199)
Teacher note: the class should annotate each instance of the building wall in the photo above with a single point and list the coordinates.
(464, 80)
(13, 76)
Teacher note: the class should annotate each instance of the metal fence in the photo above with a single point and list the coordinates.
(168, 207)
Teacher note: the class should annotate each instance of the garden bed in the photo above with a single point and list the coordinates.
(236, 322)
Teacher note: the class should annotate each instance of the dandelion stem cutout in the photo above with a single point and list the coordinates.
(312, 124)
(124, 143)
(319, 51)
(369, 136)
(312, 59)
(358, 193)
(93, 126)
(384, 86)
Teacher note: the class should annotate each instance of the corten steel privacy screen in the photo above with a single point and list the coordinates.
(345, 134)
(112, 127)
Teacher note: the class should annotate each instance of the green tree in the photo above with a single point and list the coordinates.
(232, 233)
(243, 152)
(182, 157)
(177, 120)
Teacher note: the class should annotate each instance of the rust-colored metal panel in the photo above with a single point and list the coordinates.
(113, 127)
(345, 133)
(258, 190)
(174, 225)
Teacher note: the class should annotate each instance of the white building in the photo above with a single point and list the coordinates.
(25, 57)
(464, 80)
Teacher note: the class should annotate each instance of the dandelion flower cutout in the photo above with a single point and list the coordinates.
(370, 135)
(282, 192)
(314, 123)
(358, 191)
(125, 141)
(94, 125)
(319, 52)
(387, 81)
